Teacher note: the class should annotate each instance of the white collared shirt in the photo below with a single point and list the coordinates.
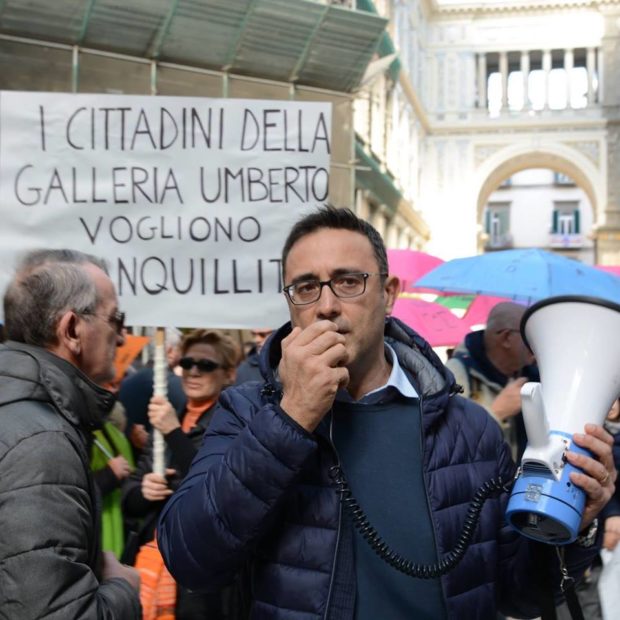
(397, 380)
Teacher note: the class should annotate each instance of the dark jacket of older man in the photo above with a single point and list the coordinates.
(50, 560)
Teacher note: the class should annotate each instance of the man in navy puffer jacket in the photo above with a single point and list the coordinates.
(344, 386)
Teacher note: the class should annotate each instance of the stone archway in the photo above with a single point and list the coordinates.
(558, 157)
(509, 161)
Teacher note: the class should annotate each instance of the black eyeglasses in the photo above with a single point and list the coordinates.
(117, 320)
(203, 365)
(344, 286)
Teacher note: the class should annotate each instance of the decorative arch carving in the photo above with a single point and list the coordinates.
(558, 157)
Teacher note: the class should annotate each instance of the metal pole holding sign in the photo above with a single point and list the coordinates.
(160, 388)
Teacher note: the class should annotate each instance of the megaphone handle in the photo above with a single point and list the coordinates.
(534, 416)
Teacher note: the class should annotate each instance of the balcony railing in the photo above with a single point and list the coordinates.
(567, 241)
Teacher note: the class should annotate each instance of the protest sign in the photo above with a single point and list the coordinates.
(188, 199)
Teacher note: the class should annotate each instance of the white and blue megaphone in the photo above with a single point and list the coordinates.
(576, 341)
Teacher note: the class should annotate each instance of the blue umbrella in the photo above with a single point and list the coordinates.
(522, 275)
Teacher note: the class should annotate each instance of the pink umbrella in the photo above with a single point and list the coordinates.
(615, 269)
(410, 265)
(432, 321)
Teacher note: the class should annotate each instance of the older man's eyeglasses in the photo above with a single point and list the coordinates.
(343, 286)
(117, 319)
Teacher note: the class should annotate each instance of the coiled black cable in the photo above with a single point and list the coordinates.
(382, 549)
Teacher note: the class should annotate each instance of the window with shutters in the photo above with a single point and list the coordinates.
(497, 225)
(566, 224)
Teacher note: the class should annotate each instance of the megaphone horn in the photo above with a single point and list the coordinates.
(576, 342)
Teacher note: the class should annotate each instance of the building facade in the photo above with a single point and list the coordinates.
(435, 102)
(542, 209)
(508, 86)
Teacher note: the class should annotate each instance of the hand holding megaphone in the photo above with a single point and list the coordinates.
(599, 473)
(567, 472)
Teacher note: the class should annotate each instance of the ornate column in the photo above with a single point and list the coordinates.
(546, 67)
(600, 59)
(569, 62)
(404, 240)
(377, 219)
(525, 73)
(482, 81)
(362, 208)
(503, 71)
(392, 235)
(591, 70)
(608, 235)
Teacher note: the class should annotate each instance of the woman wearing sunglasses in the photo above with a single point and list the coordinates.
(208, 362)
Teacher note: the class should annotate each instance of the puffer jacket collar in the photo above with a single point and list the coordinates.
(434, 382)
(32, 373)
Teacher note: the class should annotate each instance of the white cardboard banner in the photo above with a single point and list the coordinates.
(188, 199)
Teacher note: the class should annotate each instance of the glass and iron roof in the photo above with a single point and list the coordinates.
(298, 41)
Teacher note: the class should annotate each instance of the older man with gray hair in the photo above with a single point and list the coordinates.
(492, 365)
(63, 325)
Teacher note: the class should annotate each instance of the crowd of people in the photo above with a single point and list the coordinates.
(329, 475)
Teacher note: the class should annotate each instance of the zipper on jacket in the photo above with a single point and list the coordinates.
(331, 581)
(429, 508)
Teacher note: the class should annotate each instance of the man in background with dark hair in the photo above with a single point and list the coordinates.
(351, 392)
(249, 369)
(63, 325)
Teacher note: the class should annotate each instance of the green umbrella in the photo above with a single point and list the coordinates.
(455, 302)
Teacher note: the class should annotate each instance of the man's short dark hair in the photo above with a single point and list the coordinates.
(46, 284)
(329, 216)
